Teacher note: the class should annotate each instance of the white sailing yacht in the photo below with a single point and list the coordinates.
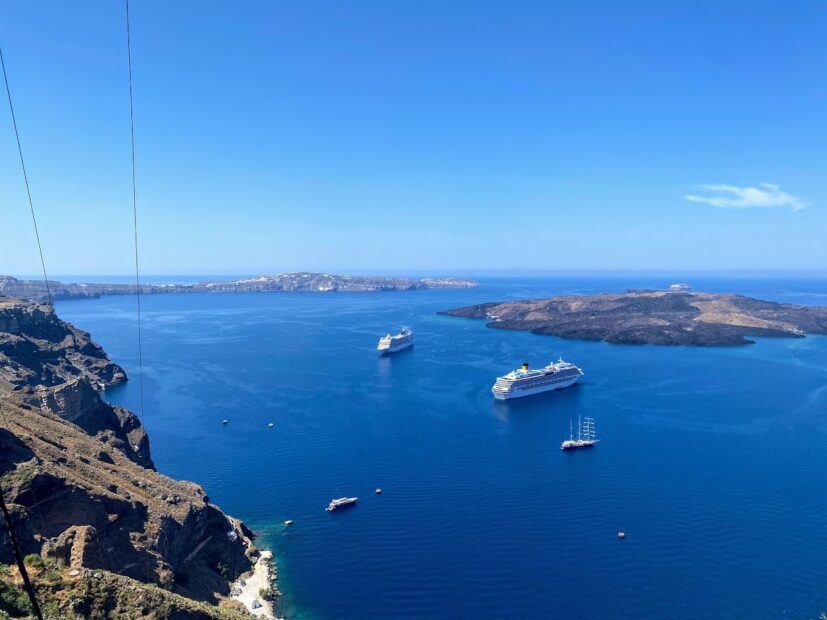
(586, 437)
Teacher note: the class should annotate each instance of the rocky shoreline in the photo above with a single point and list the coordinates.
(256, 590)
(653, 317)
(286, 282)
(83, 492)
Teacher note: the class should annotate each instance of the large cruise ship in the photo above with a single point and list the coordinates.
(525, 382)
(397, 342)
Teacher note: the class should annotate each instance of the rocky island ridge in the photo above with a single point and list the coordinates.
(286, 282)
(653, 317)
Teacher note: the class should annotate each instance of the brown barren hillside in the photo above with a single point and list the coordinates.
(83, 493)
(653, 317)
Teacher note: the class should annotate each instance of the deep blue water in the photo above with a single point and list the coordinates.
(713, 459)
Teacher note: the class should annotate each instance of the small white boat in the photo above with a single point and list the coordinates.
(289, 522)
(342, 502)
(397, 342)
(586, 437)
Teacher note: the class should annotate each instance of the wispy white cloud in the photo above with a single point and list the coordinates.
(732, 197)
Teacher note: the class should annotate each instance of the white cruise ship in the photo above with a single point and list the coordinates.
(397, 342)
(525, 382)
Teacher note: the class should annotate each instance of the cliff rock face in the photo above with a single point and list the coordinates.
(78, 477)
(37, 348)
(56, 367)
(654, 317)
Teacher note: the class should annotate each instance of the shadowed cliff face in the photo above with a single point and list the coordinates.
(77, 473)
(664, 318)
(38, 349)
(51, 365)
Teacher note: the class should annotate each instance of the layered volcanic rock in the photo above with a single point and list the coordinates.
(79, 481)
(36, 348)
(653, 317)
(51, 365)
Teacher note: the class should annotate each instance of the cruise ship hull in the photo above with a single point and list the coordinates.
(395, 348)
(503, 395)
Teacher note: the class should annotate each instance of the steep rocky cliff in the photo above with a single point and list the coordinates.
(78, 476)
(56, 367)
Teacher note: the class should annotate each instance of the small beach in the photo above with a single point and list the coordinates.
(249, 588)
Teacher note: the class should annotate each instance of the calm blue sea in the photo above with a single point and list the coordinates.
(713, 460)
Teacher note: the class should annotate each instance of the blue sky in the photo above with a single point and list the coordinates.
(384, 137)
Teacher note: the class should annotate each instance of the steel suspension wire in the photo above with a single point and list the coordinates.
(15, 545)
(18, 558)
(25, 178)
(135, 210)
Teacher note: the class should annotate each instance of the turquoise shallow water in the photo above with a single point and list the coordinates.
(712, 459)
